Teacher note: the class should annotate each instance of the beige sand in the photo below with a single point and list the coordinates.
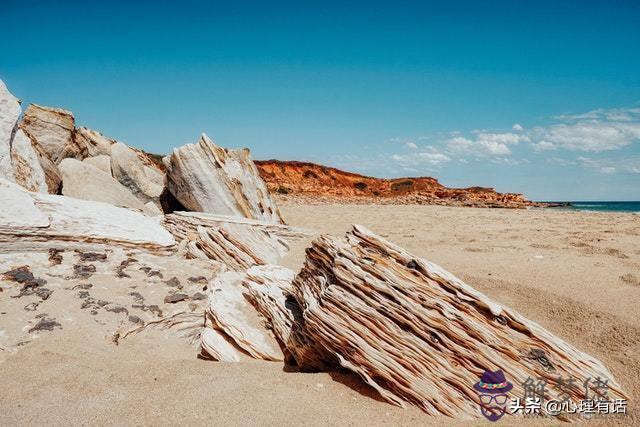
(578, 274)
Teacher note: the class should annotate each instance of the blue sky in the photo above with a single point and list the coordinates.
(540, 98)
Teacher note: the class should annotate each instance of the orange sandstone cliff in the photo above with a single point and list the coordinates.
(317, 183)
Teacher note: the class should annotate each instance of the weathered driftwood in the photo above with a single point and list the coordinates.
(31, 221)
(208, 178)
(237, 242)
(416, 333)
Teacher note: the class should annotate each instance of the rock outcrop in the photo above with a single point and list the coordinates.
(102, 162)
(230, 313)
(27, 170)
(32, 221)
(206, 178)
(314, 183)
(53, 130)
(236, 242)
(93, 143)
(144, 182)
(9, 113)
(234, 330)
(83, 181)
(418, 334)
(22, 159)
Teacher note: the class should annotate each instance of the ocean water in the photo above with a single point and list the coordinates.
(605, 206)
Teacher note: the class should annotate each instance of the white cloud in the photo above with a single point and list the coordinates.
(517, 127)
(426, 156)
(462, 146)
(610, 166)
(602, 114)
(484, 144)
(587, 136)
(595, 131)
(411, 145)
(543, 146)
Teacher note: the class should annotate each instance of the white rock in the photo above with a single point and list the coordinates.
(130, 171)
(84, 181)
(93, 143)
(9, 113)
(51, 171)
(232, 314)
(208, 178)
(237, 242)
(18, 210)
(46, 221)
(26, 164)
(52, 129)
(152, 209)
(215, 344)
(101, 162)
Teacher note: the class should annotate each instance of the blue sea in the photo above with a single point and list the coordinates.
(604, 206)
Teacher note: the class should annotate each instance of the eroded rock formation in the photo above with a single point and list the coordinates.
(207, 178)
(145, 182)
(32, 221)
(27, 170)
(84, 181)
(53, 130)
(9, 113)
(416, 333)
(93, 143)
(236, 242)
(314, 183)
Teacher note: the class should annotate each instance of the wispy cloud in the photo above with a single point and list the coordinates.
(595, 131)
(428, 155)
(611, 166)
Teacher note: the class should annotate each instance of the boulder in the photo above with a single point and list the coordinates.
(52, 129)
(9, 113)
(93, 143)
(27, 170)
(238, 243)
(86, 182)
(234, 330)
(101, 162)
(34, 221)
(206, 178)
(130, 171)
(52, 174)
(230, 313)
(418, 334)
(152, 209)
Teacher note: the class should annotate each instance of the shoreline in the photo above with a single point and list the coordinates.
(314, 200)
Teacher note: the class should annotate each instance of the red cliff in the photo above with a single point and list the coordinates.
(302, 179)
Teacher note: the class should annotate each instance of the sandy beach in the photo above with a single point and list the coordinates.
(575, 273)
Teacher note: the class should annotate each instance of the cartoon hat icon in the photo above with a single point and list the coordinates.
(493, 382)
